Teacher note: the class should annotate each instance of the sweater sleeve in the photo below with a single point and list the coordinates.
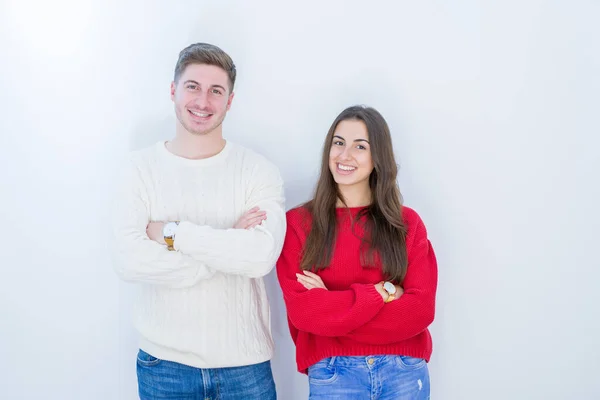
(319, 311)
(253, 252)
(414, 311)
(137, 258)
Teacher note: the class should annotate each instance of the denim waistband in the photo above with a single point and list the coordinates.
(359, 360)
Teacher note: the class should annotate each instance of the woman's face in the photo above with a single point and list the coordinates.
(350, 160)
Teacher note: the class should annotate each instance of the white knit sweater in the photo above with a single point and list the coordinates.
(204, 305)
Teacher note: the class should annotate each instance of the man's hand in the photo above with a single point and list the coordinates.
(154, 230)
(251, 218)
(310, 280)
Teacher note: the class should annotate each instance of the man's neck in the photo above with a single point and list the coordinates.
(196, 147)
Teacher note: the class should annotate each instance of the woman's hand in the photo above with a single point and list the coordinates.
(399, 291)
(384, 294)
(310, 280)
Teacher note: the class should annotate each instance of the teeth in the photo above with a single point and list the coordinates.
(199, 114)
(346, 168)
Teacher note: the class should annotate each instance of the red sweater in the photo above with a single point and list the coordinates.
(350, 318)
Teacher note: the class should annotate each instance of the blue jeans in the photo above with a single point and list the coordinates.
(369, 378)
(160, 379)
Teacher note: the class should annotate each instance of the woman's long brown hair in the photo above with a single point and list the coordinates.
(385, 231)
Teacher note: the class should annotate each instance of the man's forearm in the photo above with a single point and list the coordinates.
(251, 252)
(139, 259)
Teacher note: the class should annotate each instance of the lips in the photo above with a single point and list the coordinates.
(201, 115)
(344, 169)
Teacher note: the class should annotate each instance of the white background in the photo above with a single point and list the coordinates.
(493, 108)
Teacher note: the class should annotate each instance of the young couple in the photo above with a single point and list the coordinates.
(199, 222)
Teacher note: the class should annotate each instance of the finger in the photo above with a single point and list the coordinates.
(253, 211)
(314, 276)
(302, 281)
(311, 286)
(313, 281)
(254, 222)
(257, 218)
(308, 285)
(308, 281)
(258, 214)
(244, 219)
(303, 278)
(311, 274)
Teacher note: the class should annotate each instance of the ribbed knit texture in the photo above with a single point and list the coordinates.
(350, 318)
(204, 305)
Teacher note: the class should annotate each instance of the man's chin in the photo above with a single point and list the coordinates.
(200, 132)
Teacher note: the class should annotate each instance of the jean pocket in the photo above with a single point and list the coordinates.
(146, 360)
(322, 373)
(408, 362)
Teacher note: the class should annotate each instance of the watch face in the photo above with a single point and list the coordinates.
(169, 229)
(389, 287)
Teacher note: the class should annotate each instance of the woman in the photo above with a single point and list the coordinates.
(358, 273)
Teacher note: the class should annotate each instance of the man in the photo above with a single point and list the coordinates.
(200, 221)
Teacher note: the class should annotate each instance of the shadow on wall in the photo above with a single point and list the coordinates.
(290, 383)
(147, 133)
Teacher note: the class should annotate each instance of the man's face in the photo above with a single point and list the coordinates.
(202, 98)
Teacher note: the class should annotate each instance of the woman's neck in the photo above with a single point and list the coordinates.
(354, 196)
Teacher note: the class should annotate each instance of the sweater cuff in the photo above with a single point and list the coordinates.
(372, 292)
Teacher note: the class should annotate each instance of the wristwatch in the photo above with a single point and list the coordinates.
(390, 288)
(169, 230)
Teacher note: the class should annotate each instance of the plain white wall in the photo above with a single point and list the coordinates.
(491, 106)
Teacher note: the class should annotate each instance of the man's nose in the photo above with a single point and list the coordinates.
(202, 100)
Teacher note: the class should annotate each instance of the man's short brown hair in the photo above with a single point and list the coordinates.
(204, 53)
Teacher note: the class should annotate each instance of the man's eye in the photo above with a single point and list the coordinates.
(216, 91)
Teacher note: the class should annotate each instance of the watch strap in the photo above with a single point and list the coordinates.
(170, 241)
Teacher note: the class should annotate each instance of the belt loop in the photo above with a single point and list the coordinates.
(331, 361)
